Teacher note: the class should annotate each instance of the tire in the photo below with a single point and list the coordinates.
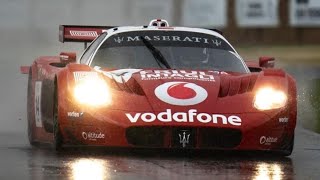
(287, 148)
(57, 136)
(288, 152)
(30, 110)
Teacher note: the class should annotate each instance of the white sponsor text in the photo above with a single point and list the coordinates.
(283, 120)
(92, 136)
(190, 116)
(268, 140)
(175, 74)
(75, 114)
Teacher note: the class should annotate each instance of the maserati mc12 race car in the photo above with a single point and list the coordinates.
(159, 86)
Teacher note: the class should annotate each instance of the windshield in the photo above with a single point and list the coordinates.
(180, 50)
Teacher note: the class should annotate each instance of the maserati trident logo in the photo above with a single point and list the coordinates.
(118, 39)
(184, 138)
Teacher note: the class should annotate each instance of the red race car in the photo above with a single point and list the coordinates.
(159, 86)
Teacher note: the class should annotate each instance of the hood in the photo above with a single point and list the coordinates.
(184, 90)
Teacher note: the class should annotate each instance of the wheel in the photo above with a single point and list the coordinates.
(30, 110)
(287, 148)
(58, 139)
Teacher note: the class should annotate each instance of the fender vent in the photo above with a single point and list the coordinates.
(230, 86)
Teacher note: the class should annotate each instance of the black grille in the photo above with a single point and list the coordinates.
(146, 136)
(184, 137)
(219, 138)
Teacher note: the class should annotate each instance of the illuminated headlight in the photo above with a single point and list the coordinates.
(92, 91)
(269, 98)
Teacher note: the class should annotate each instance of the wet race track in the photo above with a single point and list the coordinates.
(20, 161)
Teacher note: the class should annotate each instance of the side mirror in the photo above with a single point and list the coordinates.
(68, 57)
(266, 62)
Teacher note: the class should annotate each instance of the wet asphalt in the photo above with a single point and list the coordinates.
(21, 161)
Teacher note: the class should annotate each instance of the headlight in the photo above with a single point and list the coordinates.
(92, 91)
(269, 98)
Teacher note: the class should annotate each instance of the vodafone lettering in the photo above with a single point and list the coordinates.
(190, 116)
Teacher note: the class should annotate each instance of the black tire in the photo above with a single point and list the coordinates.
(288, 152)
(57, 136)
(30, 110)
(287, 148)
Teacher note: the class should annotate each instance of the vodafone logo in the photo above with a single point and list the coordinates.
(181, 93)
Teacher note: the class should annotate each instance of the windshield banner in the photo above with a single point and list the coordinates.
(164, 38)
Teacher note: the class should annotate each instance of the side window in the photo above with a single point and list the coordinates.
(86, 55)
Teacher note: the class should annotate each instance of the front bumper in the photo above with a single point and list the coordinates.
(258, 131)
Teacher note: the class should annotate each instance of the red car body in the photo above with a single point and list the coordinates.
(142, 113)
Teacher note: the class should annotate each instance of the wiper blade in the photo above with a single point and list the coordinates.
(156, 54)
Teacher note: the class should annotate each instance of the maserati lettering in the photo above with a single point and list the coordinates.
(215, 41)
(191, 116)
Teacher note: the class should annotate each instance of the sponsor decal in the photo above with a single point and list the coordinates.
(181, 93)
(120, 75)
(82, 75)
(179, 75)
(92, 136)
(74, 114)
(268, 140)
(184, 138)
(212, 41)
(84, 33)
(37, 103)
(283, 120)
(191, 116)
(124, 75)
